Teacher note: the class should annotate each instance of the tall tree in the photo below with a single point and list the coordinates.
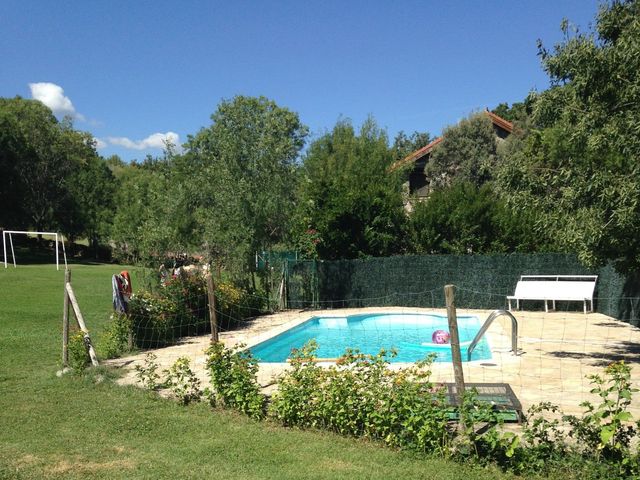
(93, 189)
(465, 219)
(142, 222)
(243, 176)
(349, 202)
(51, 172)
(37, 145)
(404, 144)
(468, 152)
(581, 171)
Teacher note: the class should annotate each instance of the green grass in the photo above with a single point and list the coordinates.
(73, 427)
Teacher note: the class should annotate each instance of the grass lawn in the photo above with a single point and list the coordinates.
(72, 427)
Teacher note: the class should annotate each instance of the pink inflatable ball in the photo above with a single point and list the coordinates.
(440, 337)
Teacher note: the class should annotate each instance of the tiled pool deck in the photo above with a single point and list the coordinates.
(557, 350)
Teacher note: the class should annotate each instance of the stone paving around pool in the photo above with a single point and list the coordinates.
(557, 350)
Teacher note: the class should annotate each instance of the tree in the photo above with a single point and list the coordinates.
(37, 145)
(580, 169)
(93, 190)
(403, 145)
(243, 177)
(142, 222)
(464, 219)
(52, 176)
(468, 152)
(517, 112)
(349, 201)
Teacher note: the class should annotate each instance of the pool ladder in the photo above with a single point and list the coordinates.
(487, 323)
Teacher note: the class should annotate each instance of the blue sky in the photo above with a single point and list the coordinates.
(133, 71)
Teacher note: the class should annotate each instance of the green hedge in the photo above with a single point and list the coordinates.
(482, 281)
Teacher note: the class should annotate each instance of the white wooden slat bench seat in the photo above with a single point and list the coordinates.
(578, 288)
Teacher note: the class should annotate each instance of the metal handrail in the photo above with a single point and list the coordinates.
(492, 316)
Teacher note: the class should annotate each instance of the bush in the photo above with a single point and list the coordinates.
(235, 304)
(361, 397)
(78, 352)
(188, 296)
(182, 382)
(115, 339)
(154, 320)
(233, 380)
(597, 445)
(148, 373)
(605, 432)
(181, 308)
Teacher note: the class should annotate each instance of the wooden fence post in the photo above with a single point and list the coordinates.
(455, 341)
(65, 320)
(213, 316)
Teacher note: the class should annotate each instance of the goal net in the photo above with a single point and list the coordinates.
(7, 235)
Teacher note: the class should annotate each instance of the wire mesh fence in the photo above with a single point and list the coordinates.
(557, 350)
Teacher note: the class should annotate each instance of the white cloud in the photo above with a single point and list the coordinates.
(155, 140)
(53, 96)
(100, 143)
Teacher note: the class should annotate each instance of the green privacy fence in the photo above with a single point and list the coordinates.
(482, 281)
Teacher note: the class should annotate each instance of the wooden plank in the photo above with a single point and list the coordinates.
(82, 325)
(65, 320)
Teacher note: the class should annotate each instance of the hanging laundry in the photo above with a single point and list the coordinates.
(121, 284)
(125, 282)
(119, 304)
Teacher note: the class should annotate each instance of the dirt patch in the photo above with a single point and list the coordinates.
(82, 466)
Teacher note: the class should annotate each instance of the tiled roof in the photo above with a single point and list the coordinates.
(499, 121)
(412, 157)
(418, 154)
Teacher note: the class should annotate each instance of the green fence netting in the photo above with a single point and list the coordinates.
(482, 281)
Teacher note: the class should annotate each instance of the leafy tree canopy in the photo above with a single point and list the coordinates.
(52, 176)
(580, 170)
(240, 175)
(349, 202)
(404, 144)
(468, 152)
(464, 219)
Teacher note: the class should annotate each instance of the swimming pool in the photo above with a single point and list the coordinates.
(409, 333)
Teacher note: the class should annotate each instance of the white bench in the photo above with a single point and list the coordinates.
(578, 288)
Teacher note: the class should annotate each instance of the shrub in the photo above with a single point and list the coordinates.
(480, 437)
(148, 373)
(180, 308)
(235, 304)
(154, 319)
(115, 339)
(606, 431)
(78, 352)
(596, 445)
(188, 295)
(361, 397)
(296, 401)
(181, 380)
(233, 379)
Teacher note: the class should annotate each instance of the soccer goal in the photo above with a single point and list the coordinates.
(59, 240)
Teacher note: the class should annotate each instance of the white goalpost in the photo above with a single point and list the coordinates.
(59, 240)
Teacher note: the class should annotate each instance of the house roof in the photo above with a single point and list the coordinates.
(418, 154)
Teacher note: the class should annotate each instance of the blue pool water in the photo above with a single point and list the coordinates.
(409, 334)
